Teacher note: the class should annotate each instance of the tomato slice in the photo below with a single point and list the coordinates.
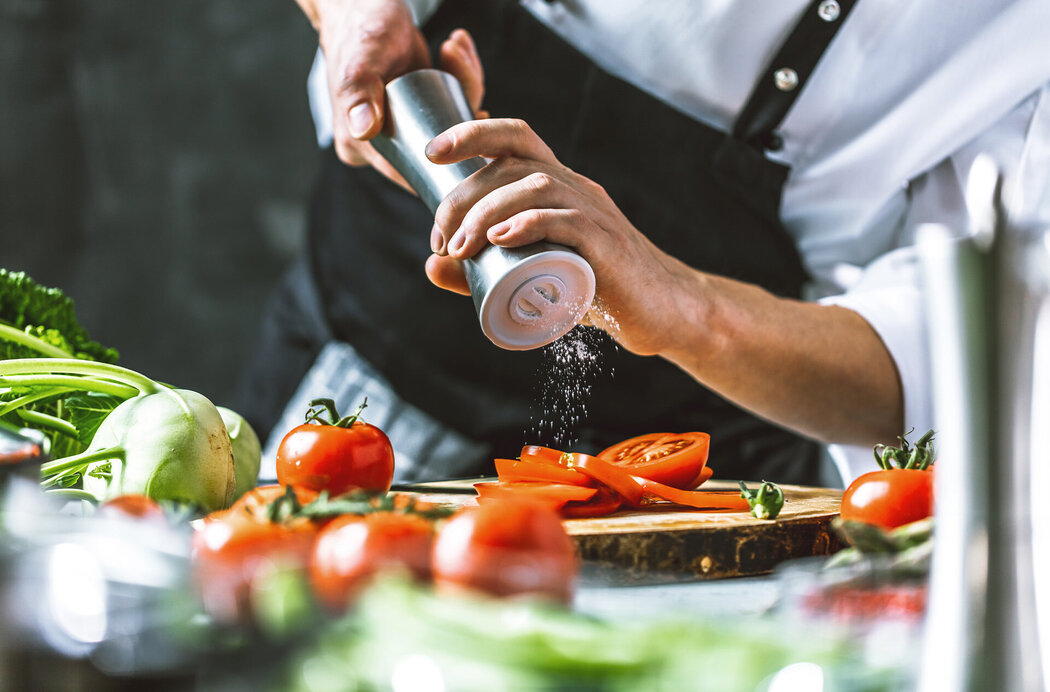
(542, 455)
(604, 503)
(674, 459)
(551, 494)
(511, 470)
(705, 474)
(614, 477)
(728, 500)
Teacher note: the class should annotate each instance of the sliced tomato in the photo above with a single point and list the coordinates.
(729, 500)
(604, 503)
(614, 477)
(521, 470)
(674, 459)
(543, 455)
(705, 474)
(554, 495)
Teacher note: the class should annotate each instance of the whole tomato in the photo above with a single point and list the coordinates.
(337, 455)
(900, 492)
(352, 549)
(232, 547)
(259, 499)
(136, 507)
(889, 498)
(506, 548)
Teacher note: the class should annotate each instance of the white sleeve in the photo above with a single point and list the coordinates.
(888, 293)
(422, 10)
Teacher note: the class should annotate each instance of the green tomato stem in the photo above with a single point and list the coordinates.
(318, 406)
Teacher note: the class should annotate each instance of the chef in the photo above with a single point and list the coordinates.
(745, 179)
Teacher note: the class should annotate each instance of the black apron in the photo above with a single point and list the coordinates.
(709, 198)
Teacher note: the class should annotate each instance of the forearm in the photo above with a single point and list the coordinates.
(821, 370)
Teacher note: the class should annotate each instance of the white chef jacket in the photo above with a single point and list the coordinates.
(879, 141)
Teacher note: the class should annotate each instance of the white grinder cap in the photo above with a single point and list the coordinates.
(538, 300)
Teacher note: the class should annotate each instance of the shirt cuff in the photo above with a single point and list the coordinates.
(890, 300)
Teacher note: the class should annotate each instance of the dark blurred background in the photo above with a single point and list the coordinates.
(155, 164)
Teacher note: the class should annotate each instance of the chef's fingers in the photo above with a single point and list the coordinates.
(537, 190)
(569, 227)
(447, 273)
(493, 139)
(366, 44)
(459, 57)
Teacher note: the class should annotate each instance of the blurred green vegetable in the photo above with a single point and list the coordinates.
(406, 637)
(247, 452)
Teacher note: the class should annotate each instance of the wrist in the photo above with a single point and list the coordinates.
(695, 327)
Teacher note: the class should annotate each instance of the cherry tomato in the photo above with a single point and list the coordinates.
(352, 549)
(674, 459)
(336, 459)
(889, 498)
(506, 548)
(258, 499)
(138, 507)
(232, 547)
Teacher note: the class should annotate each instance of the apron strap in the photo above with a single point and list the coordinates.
(786, 74)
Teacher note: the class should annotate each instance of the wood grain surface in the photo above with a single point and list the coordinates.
(659, 545)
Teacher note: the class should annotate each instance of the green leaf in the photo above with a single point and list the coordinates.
(87, 411)
(49, 315)
(102, 471)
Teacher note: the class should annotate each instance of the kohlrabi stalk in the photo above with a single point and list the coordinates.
(162, 442)
(20, 337)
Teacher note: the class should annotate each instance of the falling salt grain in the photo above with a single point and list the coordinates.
(571, 365)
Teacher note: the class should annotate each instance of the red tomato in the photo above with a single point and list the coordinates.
(540, 454)
(506, 548)
(232, 547)
(139, 507)
(889, 498)
(604, 503)
(613, 476)
(352, 549)
(674, 459)
(336, 459)
(259, 498)
(554, 495)
(526, 470)
(706, 500)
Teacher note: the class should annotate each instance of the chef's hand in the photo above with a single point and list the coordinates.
(366, 44)
(526, 195)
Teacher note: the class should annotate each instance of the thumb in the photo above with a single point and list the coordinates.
(459, 57)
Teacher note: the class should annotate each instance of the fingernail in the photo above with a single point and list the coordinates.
(361, 117)
(456, 244)
(437, 240)
(439, 146)
(499, 229)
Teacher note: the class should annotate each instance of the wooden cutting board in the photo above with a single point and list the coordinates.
(651, 546)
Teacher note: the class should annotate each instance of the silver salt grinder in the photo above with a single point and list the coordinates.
(525, 297)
